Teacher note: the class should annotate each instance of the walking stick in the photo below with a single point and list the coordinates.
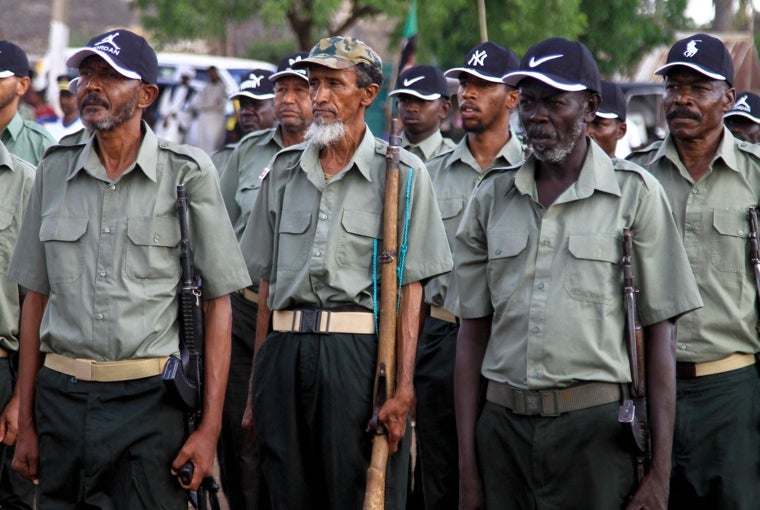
(385, 372)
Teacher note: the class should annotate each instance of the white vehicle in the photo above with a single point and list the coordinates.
(231, 69)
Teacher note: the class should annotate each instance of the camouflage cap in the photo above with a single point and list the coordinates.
(341, 52)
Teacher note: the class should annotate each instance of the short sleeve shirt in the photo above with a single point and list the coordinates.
(26, 139)
(16, 181)
(106, 253)
(454, 176)
(432, 146)
(241, 178)
(313, 241)
(711, 215)
(551, 278)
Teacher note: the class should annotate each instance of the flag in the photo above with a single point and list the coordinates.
(409, 39)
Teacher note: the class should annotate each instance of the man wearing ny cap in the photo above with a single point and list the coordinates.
(743, 120)
(23, 138)
(311, 241)
(422, 100)
(711, 181)
(609, 126)
(207, 130)
(98, 252)
(240, 183)
(539, 251)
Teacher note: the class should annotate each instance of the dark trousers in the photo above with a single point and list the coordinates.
(716, 450)
(312, 403)
(16, 492)
(238, 461)
(436, 422)
(107, 446)
(575, 461)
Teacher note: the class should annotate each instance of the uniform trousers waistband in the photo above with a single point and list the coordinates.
(323, 321)
(686, 370)
(552, 402)
(105, 371)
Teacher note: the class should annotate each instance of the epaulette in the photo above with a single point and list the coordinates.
(649, 149)
(500, 170)
(19, 162)
(750, 148)
(63, 147)
(255, 136)
(189, 151)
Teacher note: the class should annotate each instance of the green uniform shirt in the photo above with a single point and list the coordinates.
(16, 180)
(454, 176)
(313, 241)
(241, 178)
(552, 278)
(106, 252)
(712, 217)
(222, 156)
(26, 139)
(432, 146)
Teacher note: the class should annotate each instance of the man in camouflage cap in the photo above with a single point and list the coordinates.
(309, 241)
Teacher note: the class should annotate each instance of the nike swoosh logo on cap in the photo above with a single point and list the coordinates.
(538, 61)
(410, 81)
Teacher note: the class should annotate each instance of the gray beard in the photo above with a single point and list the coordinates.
(119, 117)
(323, 135)
(560, 152)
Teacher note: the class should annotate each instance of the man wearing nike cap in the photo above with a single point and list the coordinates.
(744, 118)
(539, 250)
(711, 179)
(609, 125)
(98, 252)
(422, 99)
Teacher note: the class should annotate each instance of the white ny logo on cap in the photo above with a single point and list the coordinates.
(109, 39)
(478, 58)
(691, 48)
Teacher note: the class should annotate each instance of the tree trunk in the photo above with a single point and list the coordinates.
(724, 15)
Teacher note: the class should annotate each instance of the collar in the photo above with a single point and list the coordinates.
(6, 160)
(361, 159)
(511, 153)
(428, 146)
(14, 127)
(726, 151)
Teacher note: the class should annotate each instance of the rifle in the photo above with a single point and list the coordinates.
(385, 372)
(754, 251)
(633, 411)
(183, 375)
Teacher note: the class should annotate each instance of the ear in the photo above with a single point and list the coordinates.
(22, 85)
(444, 108)
(148, 94)
(728, 99)
(591, 105)
(369, 93)
(513, 97)
(622, 129)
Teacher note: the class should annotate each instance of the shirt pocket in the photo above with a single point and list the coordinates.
(360, 228)
(63, 239)
(506, 262)
(451, 210)
(729, 240)
(7, 241)
(293, 249)
(593, 271)
(152, 251)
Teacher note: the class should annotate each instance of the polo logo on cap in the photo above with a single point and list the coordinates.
(478, 58)
(534, 62)
(742, 105)
(108, 44)
(410, 81)
(691, 48)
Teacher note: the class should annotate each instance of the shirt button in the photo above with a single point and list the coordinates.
(694, 190)
(683, 347)
(100, 316)
(741, 232)
(536, 374)
(547, 242)
(498, 252)
(102, 273)
(318, 253)
(107, 230)
(323, 217)
(112, 187)
(534, 329)
(540, 285)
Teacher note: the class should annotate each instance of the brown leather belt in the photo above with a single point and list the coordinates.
(552, 402)
(249, 295)
(105, 371)
(323, 321)
(685, 370)
(441, 313)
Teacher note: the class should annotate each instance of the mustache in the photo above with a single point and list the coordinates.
(92, 100)
(683, 113)
(537, 132)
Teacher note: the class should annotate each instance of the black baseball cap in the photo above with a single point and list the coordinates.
(423, 81)
(561, 63)
(256, 85)
(128, 53)
(488, 61)
(747, 105)
(704, 54)
(613, 104)
(286, 67)
(13, 60)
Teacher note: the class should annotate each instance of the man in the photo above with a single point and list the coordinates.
(208, 107)
(711, 181)
(256, 111)
(539, 252)
(23, 138)
(310, 241)
(609, 125)
(98, 254)
(70, 122)
(422, 100)
(743, 120)
(16, 179)
(173, 114)
(486, 104)
(240, 183)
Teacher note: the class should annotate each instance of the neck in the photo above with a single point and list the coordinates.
(697, 154)
(416, 138)
(336, 156)
(291, 136)
(6, 115)
(486, 146)
(118, 148)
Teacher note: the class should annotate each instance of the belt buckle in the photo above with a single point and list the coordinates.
(309, 322)
(549, 403)
(83, 369)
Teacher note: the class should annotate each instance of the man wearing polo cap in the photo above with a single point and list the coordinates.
(711, 181)
(98, 253)
(743, 120)
(609, 125)
(422, 100)
(23, 138)
(240, 183)
(539, 251)
(311, 240)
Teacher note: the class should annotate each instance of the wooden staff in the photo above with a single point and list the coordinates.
(385, 372)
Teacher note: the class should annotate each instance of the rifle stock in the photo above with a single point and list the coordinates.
(385, 372)
(754, 252)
